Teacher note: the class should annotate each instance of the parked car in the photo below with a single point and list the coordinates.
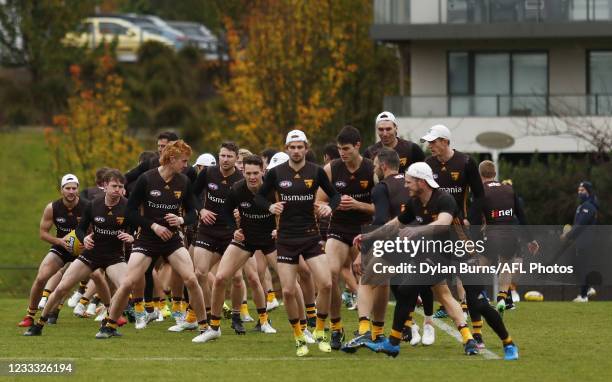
(156, 25)
(199, 36)
(129, 36)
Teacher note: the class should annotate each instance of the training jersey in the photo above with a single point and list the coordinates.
(145, 166)
(67, 219)
(358, 185)
(214, 188)
(107, 223)
(458, 176)
(297, 189)
(409, 153)
(91, 193)
(390, 197)
(153, 198)
(256, 223)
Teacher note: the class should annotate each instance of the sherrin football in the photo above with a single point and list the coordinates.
(534, 295)
(73, 243)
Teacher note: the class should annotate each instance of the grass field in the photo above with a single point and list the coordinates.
(557, 341)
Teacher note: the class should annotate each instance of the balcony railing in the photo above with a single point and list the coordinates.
(500, 105)
(490, 11)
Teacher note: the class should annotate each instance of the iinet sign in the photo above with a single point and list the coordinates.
(502, 213)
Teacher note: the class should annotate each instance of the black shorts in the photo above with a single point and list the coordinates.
(266, 249)
(95, 261)
(190, 236)
(213, 243)
(155, 247)
(63, 254)
(343, 235)
(289, 250)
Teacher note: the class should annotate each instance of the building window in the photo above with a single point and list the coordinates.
(600, 82)
(497, 83)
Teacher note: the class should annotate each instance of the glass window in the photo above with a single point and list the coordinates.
(458, 73)
(112, 28)
(600, 82)
(491, 83)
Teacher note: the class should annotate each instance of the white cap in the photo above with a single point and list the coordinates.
(386, 116)
(69, 178)
(296, 136)
(435, 132)
(421, 170)
(206, 160)
(278, 158)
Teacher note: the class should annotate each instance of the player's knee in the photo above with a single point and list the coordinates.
(61, 290)
(325, 286)
(191, 282)
(201, 274)
(220, 279)
(289, 293)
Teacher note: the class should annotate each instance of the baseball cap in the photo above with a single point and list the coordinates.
(421, 170)
(277, 159)
(296, 136)
(69, 178)
(435, 132)
(386, 116)
(206, 160)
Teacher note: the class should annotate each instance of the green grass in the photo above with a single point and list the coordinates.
(558, 342)
(26, 186)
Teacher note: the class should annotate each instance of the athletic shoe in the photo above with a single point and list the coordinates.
(165, 311)
(321, 338)
(356, 343)
(141, 320)
(160, 315)
(121, 321)
(416, 336)
(74, 299)
(101, 315)
(227, 312)
(130, 313)
(246, 318)
(309, 337)
(42, 303)
(183, 325)
(479, 341)
(511, 352)
(591, 292)
(470, 347)
(510, 304)
(79, 310)
(337, 337)
(178, 316)
(91, 309)
(106, 332)
(384, 346)
(501, 306)
(207, 335)
(347, 298)
(440, 313)
(52, 320)
(237, 324)
(579, 298)
(407, 334)
(300, 346)
(429, 335)
(26, 322)
(267, 328)
(353, 305)
(152, 316)
(34, 330)
(273, 305)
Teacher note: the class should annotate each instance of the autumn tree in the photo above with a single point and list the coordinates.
(289, 67)
(93, 132)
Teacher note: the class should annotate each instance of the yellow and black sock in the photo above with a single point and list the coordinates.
(507, 341)
(336, 324)
(395, 337)
(96, 299)
(502, 295)
(215, 322)
(311, 311)
(42, 320)
(477, 330)
(263, 315)
(149, 306)
(207, 310)
(297, 328)
(139, 305)
(378, 328)
(244, 308)
(46, 293)
(191, 316)
(270, 296)
(176, 304)
(31, 313)
(82, 287)
(409, 322)
(84, 301)
(364, 325)
(111, 324)
(464, 306)
(321, 317)
(303, 324)
(203, 325)
(466, 335)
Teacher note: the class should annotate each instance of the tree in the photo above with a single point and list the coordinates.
(289, 66)
(92, 133)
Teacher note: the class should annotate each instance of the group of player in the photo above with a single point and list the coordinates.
(186, 231)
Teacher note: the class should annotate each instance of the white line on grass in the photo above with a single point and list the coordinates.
(232, 359)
